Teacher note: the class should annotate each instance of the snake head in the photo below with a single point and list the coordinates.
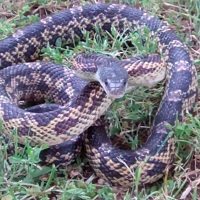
(113, 78)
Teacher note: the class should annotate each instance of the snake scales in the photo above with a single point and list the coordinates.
(61, 127)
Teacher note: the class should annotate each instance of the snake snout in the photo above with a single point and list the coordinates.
(115, 88)
(114, 79)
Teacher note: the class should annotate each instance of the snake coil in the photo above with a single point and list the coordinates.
(68, 120)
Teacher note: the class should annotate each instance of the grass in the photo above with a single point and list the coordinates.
(21, 176)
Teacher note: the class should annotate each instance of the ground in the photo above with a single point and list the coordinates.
(22, 177)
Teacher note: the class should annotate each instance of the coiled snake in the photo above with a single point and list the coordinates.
(78, 104)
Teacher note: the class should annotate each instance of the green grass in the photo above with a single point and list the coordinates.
(21, 176)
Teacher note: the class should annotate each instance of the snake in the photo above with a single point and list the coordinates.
(77, 103)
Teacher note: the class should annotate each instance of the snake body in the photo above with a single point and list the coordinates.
(87, 102)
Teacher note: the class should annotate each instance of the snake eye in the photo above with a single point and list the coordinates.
(106, 83)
